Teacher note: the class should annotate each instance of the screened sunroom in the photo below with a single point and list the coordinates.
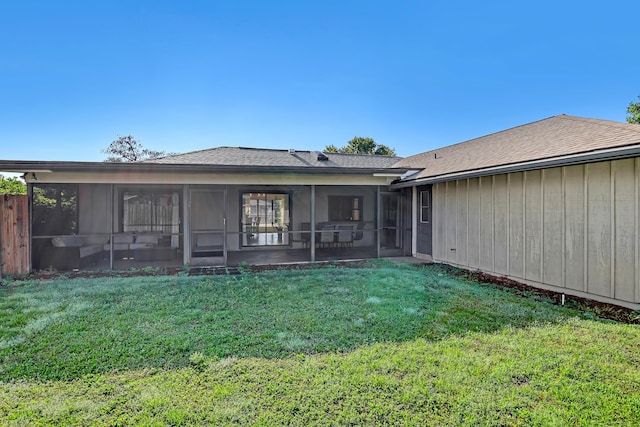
(122, 226)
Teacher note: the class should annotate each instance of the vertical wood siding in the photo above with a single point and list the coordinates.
(14, 234)
(533, 225)
(624, 230)
(599, 228)
(486, 223)
(516, 224)
(500, 221)
(573, 229)
(553, 225)
(462, 222)
(473, 221)
(574, 234)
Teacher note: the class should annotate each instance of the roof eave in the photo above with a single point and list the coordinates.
(568, 160)
(25, 166)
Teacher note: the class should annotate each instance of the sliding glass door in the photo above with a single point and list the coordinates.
(265, 219)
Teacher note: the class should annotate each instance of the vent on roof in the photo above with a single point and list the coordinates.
(322, 157)
(292, 151)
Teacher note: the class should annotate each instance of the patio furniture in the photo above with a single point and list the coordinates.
(72, 252)
(124, 244)
(327, 235)
(358, 234)
(345, 235)
(303, 235)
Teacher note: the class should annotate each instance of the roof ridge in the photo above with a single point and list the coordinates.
(229, 146)
(360, 154)
(278, 150)
(194, 151)
(273, 149)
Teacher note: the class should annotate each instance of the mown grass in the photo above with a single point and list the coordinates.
(388, 344)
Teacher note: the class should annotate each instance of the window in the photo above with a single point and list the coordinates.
(148, 211)
(424, 206)
(265, 219)
(345, 208)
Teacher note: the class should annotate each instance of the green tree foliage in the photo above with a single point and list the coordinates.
(128, 149)
(12, 186)
(633, 112)
(360, 145)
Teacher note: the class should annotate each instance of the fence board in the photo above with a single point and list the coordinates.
(14, 234)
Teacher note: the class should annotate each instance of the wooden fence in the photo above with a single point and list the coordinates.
(14, 235)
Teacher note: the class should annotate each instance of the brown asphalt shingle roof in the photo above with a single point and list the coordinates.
(549, 138)
(240, 156)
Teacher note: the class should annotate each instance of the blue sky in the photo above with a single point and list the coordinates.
(414, 75)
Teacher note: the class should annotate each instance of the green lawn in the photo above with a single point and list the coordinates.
(389, 344)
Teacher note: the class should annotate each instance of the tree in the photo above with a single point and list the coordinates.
(127, 149)
(360, 145)
(12, 186)
(633, 112)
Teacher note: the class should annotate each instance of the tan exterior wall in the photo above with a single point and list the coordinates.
(570, 229)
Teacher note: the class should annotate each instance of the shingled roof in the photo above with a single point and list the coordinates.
(261, 157)
(550, 138)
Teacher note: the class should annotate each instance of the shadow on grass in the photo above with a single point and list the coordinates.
(65, 329)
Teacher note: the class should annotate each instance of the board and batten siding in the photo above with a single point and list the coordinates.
(571, 229)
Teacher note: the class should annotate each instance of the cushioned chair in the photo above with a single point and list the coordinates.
(345, 235)
(327, 235)
(121, 244)
(304, 235)
(359, 234)
(71, 252)
(144, 241)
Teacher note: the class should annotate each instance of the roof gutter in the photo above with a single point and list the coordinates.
(573, 159)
